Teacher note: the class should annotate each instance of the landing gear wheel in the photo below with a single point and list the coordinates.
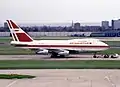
(54, 55)
(106, 56)
(94, 56)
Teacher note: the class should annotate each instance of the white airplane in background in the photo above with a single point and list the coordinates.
(56, 48)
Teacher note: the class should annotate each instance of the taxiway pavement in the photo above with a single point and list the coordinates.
(64, 78)
(47, 57)
(61, 77)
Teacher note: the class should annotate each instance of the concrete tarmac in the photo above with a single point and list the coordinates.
(61, 77)
(64, 78)
(47, 57)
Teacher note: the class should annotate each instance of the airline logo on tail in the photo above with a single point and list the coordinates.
(17, 33)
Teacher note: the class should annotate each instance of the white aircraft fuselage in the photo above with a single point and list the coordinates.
(74, 44)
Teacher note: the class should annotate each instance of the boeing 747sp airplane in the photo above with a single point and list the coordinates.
(56, 48)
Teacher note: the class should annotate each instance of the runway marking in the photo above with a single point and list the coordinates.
(10, 84)
(110, 81)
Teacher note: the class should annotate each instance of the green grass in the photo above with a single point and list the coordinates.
(5, 39)
(8, 50)
(67, 64)
(112, 43)
(111, 51)
(15, 76)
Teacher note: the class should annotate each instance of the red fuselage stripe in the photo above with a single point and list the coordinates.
(60, 46)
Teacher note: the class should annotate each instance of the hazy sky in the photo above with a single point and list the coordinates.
(47, 11)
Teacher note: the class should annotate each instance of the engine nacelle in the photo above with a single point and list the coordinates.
(42, 51)
(64, 52)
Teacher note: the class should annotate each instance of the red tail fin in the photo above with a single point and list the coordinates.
(17, 33)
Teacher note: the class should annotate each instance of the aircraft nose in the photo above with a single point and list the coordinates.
(106, 45)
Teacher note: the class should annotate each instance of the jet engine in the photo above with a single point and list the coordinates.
(64, 52)
(42, 51)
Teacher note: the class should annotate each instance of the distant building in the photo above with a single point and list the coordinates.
(77, 25)
(5, 25)
(112, 24)
(105, 24)
(109, 33)
(116, 24)
(72, 26)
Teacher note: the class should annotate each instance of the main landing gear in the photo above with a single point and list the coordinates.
(56, 55)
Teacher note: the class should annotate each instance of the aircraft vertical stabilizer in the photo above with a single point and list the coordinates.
(17, 33)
